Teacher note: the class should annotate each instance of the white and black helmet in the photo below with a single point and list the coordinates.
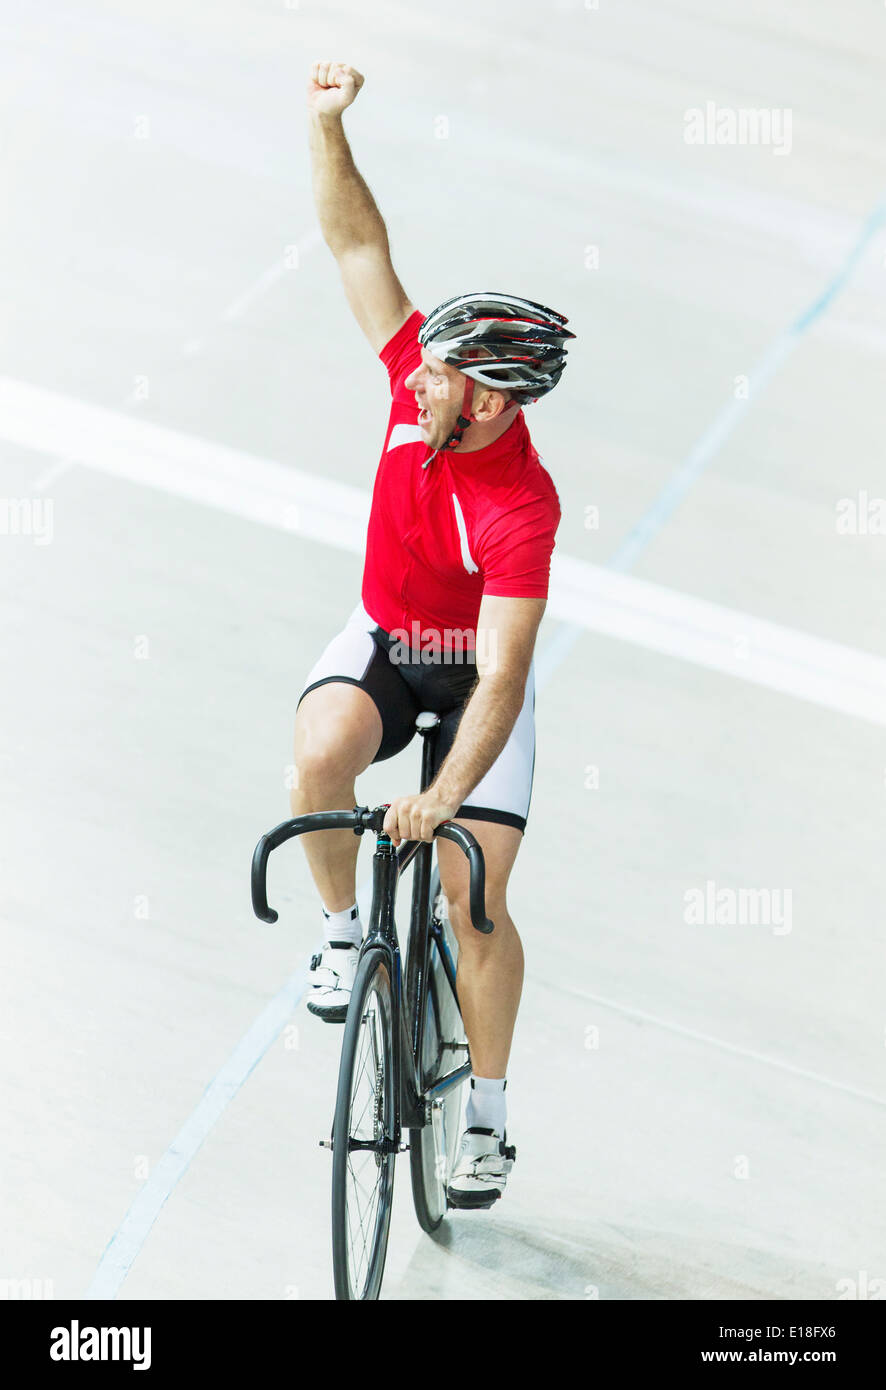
(500, 340)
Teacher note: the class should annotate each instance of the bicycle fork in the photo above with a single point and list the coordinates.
(381, 935)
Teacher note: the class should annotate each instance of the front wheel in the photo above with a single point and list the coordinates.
(362, 1135)
(433, 1149)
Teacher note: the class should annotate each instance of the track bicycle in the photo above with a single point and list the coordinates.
(404, 1055)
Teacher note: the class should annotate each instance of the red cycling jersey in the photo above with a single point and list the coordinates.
(469, 524)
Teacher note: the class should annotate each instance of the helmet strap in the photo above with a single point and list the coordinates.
(464, 419)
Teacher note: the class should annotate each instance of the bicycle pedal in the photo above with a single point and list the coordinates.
(325, 1143)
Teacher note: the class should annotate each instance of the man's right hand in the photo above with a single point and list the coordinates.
(332, 87)
(351, 224)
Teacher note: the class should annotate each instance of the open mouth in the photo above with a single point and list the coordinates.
(424, 416)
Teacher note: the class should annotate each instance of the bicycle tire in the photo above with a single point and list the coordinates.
(443, 1023)
(368, 1044)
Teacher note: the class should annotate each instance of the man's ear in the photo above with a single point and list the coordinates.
(492, 405)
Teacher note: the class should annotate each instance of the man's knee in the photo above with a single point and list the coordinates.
(337, 733)
(500, 845)
(459, 913)
(323, 765)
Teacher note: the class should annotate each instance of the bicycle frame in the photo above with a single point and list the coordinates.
(411, 1100)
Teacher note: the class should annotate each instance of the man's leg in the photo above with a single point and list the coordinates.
(338, 731)
(490, 968)
(489, 979)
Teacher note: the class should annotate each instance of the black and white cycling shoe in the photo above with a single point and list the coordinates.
(331, 979)
(481, 1169)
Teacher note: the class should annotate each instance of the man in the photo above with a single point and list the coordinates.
(458, 554)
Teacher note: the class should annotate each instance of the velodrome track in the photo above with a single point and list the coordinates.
(698, 1108)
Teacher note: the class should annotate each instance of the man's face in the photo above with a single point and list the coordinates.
(439, 390)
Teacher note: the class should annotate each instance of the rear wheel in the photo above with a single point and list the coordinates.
(433, 1149)
(362, 1136)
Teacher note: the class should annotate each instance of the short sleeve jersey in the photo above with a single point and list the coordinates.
(468, 524)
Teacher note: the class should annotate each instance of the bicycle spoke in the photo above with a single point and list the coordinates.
(352, 1235)
(366, 1122)
(364, 1227)
(366, 1216)
(354, 1208)
(443, 1051)
(363, 1175)
(357, 1183)
(356, 1123)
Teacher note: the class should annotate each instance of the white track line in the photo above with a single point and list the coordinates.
(259, 287)
(721, 639)
(586, 596)
(53, 471)
(711, 1041)
(721, 427)
(285, 266)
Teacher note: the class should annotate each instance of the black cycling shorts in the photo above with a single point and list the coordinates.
(402, 689)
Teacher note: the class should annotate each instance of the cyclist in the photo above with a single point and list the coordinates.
(458, 550)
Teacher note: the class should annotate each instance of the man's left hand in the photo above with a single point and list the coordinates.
(416, 817)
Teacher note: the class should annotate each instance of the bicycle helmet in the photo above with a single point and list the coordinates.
(501, 341)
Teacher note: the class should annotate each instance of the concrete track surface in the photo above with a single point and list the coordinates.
(189, 426)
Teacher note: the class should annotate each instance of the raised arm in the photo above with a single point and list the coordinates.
(351, 223)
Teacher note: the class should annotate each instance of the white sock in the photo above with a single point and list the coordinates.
(487, 1107)
(344, 928)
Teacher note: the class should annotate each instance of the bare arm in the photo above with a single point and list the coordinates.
(506, 632)
(351, 224)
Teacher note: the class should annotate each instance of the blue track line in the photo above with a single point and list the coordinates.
(133, 1231)
(719, 430)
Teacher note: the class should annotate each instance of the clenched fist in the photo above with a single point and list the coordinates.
(332, 87)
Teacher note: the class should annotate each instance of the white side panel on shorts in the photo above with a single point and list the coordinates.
(507, 785)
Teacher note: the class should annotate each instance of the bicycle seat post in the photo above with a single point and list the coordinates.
(427, 724)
